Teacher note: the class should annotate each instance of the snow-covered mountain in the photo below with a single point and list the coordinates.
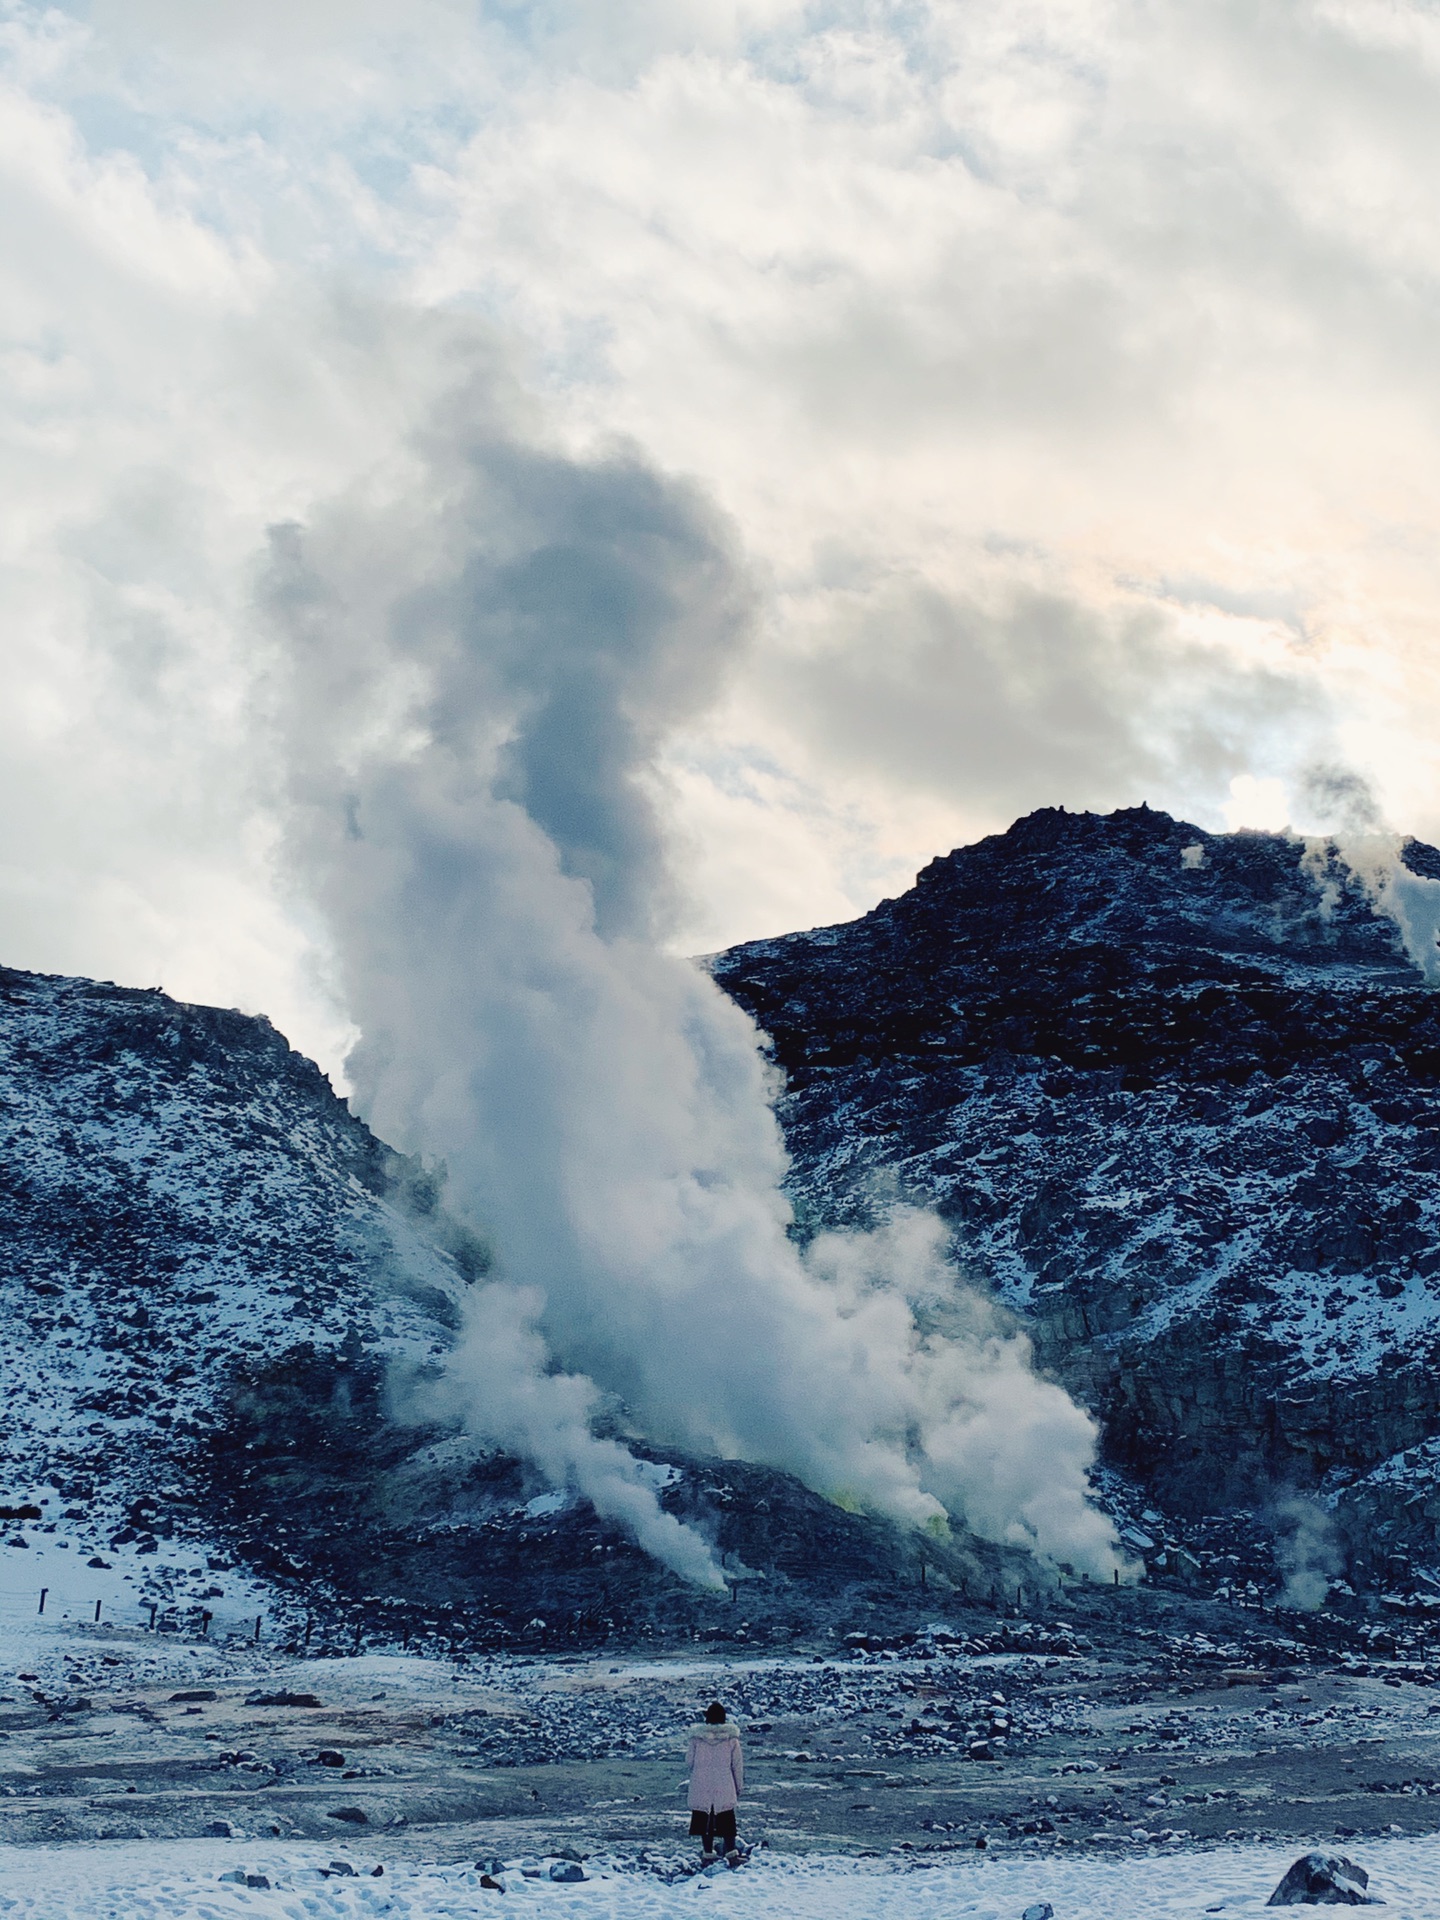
(1176, 1093)
(220, 1298)
(1179, 1095)
(182, 1197)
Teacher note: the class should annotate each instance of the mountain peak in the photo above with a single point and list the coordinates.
(1141, 882)
(1178, 1095)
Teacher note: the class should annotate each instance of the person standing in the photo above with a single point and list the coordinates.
(717, 1779)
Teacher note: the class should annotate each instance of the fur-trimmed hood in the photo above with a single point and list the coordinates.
(706, 1730)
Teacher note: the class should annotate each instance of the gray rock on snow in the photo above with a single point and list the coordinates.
(1042, 1910)
(567, 1870)
(1324, 1880)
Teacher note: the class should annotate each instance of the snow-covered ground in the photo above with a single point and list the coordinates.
(182, 1882)
(1117, 1871)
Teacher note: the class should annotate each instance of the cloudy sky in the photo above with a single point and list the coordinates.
(1011, 404)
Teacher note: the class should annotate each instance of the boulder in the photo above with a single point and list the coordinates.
(567, 1870)
(1324, 1880)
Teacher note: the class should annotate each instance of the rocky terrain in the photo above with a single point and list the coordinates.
(1111, 1725)
(1179, 1096)
(220, 1299)
(1176, 1094)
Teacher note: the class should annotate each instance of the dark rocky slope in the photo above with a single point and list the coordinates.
(1179, 1095)
(214, 1279)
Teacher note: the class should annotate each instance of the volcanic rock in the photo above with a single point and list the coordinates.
(1324, 1880)
(1177, 1096)
(215, 1273)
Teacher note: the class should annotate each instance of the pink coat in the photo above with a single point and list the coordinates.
(717, 1770)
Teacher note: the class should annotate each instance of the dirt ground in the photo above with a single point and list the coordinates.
(1158, 1730)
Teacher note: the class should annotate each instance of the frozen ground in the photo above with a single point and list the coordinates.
(1153, 1772)
(182, 1882)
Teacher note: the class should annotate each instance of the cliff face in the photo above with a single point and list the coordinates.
(1179, 1096)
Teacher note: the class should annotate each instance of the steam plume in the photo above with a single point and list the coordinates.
(482, 671)
(1373, 856)
(1305, 1552)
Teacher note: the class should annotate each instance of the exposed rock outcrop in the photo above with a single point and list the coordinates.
(1179, 1096)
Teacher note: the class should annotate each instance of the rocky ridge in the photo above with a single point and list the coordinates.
(1178, 1095)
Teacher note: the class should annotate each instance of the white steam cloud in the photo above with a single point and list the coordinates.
(482, 661)
(1411, 900)
(1374, 856)
(1306, 1553)
(502, 1388)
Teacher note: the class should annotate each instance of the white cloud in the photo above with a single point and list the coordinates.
(1066, 369)
(1260, 804)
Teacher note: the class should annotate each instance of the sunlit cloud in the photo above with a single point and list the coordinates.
(1064, 373)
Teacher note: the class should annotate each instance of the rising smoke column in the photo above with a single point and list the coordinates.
(1362, 847)
(484, 661)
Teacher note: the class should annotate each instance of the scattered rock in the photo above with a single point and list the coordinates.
(329, 1757)
(342, 1869)
(567, 1870)
(282, 1700)
(1324, 1880)
(222, 1830)
(356, 1816)
(491, 1884)
(1042, 1910)
(194, 1693)
(238, 1877)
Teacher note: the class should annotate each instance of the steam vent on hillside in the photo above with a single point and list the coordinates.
(1174, 1094)
(1177, 1094)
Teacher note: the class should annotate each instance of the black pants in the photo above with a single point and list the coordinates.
(713, 1826)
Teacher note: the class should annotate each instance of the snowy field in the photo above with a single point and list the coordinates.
(417, 1729)
(181, 1882)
